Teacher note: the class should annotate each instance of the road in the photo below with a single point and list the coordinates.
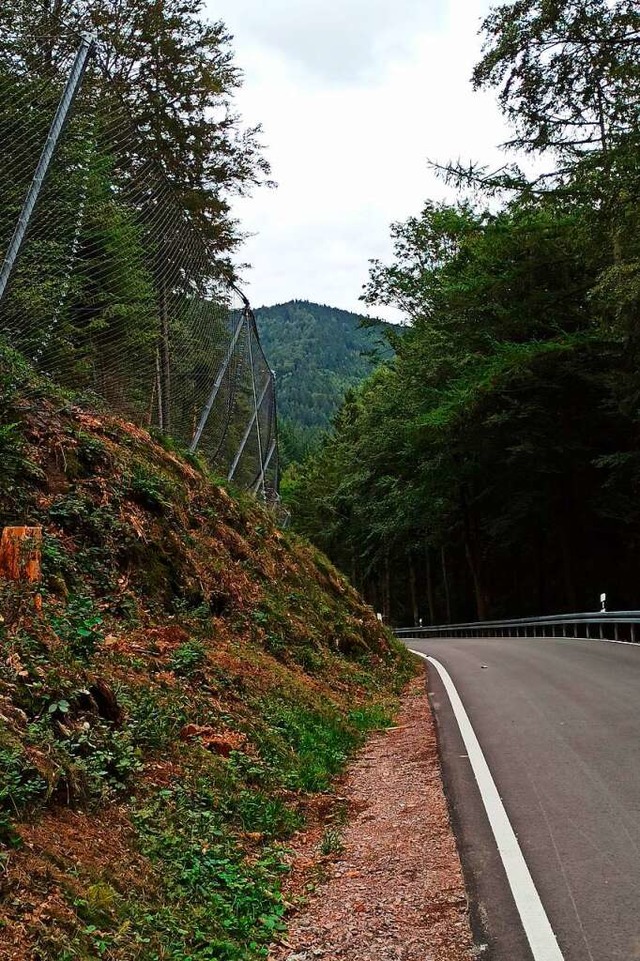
(558, 721)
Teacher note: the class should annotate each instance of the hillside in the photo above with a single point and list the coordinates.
(317, 353)
(182, 681)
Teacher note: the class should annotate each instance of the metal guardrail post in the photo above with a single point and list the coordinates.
(72, 87)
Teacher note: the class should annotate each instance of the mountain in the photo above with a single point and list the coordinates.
(318, 353)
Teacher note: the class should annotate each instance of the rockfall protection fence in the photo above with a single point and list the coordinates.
(107, 285)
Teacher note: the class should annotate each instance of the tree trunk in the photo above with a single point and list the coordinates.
(20, 553)
(386, 591)
(472, 555)
(567, 567)
(158, 391)
(414, 594)
(541, 565)
(474, 567)
(430, 597)
(445, 584)
(164, 395)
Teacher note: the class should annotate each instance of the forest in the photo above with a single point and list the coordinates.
(492, 467)
(317, 353)
(125, 290)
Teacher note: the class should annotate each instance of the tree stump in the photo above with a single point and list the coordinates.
(20, 554)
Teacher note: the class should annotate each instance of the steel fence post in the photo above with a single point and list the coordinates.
(204, 417)
(260, 482)
(245, 437)
(73, 84)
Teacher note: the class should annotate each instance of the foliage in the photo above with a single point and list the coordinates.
(567, 72)
(489, 468)
(317, 353)
(221, 906)
(184, 677)
(175, 72)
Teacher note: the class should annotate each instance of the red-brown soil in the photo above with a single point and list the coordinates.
(395, 891)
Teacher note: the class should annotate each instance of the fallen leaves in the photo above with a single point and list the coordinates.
(396, 889)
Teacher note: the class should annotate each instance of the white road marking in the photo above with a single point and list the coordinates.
(542, 940)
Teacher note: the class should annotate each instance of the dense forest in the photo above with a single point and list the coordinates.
(492, 468)
(123, 290)
(318, 353)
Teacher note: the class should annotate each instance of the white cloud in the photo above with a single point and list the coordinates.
(349, 142)
(338, 41)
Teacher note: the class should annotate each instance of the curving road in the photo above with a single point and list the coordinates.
(558, 721)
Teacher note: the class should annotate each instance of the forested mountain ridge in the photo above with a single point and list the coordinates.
(317, 353)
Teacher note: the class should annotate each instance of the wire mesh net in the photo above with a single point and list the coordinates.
(115, 293)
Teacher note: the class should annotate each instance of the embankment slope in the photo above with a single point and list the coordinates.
(183, 679)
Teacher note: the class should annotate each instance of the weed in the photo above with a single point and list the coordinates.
(59, 707)
(268, 816)
(91, 452)
(331, 842)
(371, 718)
(79, 625)
(149, 489)
(21, 784)
(306, 748)
(155, 717)
(57, 564)
(227, 904)
(99, 905)
(104, 759)
(188, 658)
(309, 659)
(275, 644)
(247, 768)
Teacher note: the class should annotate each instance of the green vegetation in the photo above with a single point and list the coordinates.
(318, 353)
(184, 678)
(175, 72)
(492, 467)
(123, 289)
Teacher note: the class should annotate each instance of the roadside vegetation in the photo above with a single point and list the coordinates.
(491, 468)
(183, 679)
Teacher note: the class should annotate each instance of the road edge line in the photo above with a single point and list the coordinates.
(542, 940)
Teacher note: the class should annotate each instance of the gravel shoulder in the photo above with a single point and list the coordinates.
(394, 889)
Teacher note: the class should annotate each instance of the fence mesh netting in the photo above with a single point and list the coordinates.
(115, 294)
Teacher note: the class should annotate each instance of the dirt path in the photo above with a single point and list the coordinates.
(395, 891)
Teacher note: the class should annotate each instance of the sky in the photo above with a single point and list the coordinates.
(354, 96)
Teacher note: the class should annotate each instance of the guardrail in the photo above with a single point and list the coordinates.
(613, 625)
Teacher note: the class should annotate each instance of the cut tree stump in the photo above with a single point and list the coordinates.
(20, 554)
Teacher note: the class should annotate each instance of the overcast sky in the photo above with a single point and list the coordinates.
(353, 96)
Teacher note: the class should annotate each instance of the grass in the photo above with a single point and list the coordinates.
(222, 904)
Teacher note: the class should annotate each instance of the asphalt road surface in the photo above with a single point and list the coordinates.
(558, 721)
